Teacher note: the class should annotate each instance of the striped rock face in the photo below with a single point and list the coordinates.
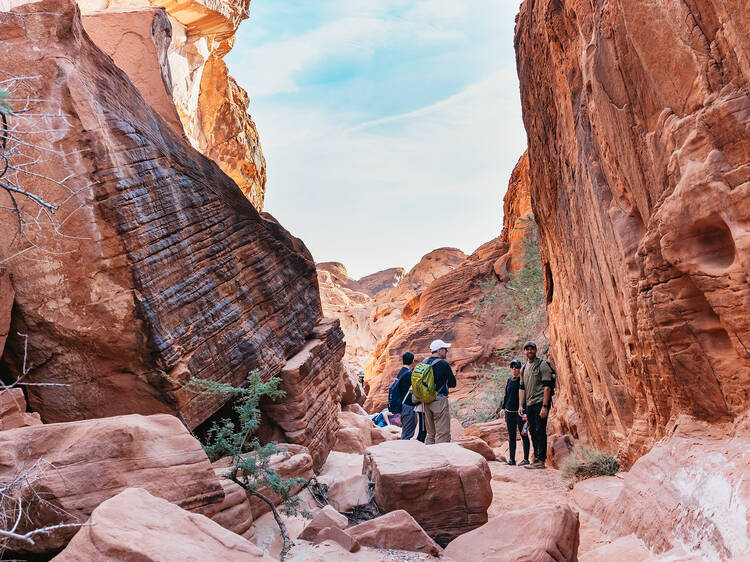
(160, 265)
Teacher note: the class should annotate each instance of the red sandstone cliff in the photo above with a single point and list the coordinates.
(637, 116)
(159, 265)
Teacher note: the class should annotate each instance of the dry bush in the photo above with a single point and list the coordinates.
(587, 462)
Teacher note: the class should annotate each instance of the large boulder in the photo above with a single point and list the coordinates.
(477, 445)
(637, 116)
(347, 493)
(134, 525)
(445, 487)
(164, 266)
(544, 533)
(395, 530)
(81, 464)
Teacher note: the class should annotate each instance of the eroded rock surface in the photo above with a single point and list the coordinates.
(166, 269)
(695, 484)
(135, 525)
(637, 116)
(81, 464)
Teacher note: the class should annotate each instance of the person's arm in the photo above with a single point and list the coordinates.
(450, 376)
(547, 383)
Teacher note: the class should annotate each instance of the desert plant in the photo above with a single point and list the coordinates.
(587, 462)
(525, 288)
(235, 438)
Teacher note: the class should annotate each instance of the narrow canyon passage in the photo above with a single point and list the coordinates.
(183, 378)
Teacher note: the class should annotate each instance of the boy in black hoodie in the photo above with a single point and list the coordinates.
(513, 419)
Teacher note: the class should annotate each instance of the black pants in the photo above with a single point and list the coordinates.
(538, 431)
(422, 435)
(515, 425)
(408, 421)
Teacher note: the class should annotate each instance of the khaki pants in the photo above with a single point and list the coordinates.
(437, 417)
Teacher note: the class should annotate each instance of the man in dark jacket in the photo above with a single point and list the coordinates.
(513, 419)
(535, 396)
(437, 414)
(408, 415)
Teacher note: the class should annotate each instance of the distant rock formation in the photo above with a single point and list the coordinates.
(637, 116)
(372, 307)
(191, 43)
(162, 269)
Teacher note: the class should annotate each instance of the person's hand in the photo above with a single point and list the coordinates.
(523, 417)
(502, 411)
(543, 412)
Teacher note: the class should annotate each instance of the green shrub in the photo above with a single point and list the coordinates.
(586, 462)
(486, 397)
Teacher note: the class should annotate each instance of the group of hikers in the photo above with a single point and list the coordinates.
(420, 395)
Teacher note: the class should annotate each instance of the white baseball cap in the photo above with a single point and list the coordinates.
(438, 344)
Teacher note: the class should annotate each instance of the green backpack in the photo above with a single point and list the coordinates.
(423, 383)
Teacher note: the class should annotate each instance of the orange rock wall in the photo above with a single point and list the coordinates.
(161, 266)
(212, 108)
(637, 116)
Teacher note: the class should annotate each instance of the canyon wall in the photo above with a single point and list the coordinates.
(212, 108)
(154, 267)
(637, 116)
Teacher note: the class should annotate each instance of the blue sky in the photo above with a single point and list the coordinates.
(389, 127)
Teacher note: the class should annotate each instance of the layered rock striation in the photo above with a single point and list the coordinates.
(637, 116)
(211, 108)
(159, 268)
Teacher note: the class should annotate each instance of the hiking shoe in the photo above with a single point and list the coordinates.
(524, 462)
(535, 465)
(510, 463)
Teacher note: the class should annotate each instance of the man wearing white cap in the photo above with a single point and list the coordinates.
(437, 414)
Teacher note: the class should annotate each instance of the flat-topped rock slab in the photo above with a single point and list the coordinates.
(445, 487)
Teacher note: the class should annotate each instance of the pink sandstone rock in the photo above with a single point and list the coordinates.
(338, 536)
(477, 445)
(558, 448)
(13, 412)
(395, 530)
(357, 432)
(494, 433)
(134, 525)
(234, 513)
(87, 462)
(347, 493)
(545, 533)
(637, 116)
(326, 517)
(445, 487)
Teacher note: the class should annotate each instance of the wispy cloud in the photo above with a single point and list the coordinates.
(390, 127)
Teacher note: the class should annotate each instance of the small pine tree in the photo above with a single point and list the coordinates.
(236, 439)
(5, 106)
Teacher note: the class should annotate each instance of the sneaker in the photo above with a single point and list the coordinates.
(510, 463)
(524, 462)
(535, 464)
